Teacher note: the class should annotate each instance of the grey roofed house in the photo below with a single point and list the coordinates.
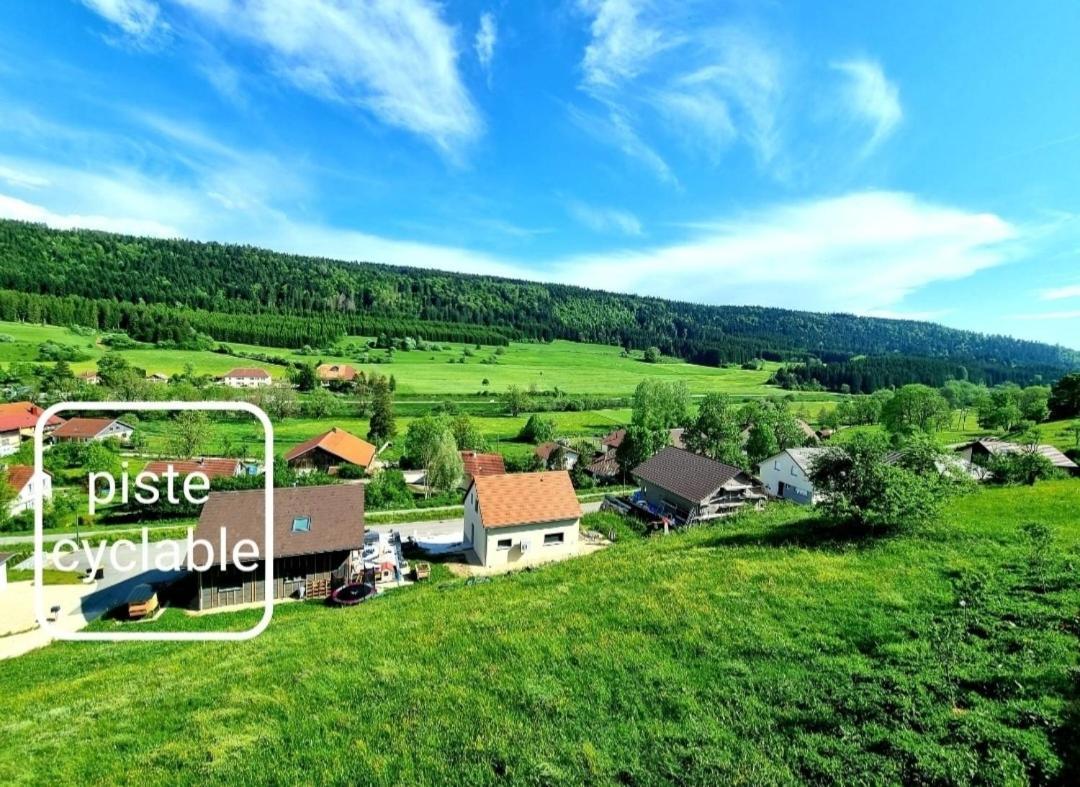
(316, 528)
(979, 451)
(692, 487)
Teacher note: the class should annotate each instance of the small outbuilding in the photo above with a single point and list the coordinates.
(318, 537)
(522, 518)
(335, 373)
(690, 488)
(978, 454)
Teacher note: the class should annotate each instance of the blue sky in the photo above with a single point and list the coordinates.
(900, 159)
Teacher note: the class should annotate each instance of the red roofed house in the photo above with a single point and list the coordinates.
(83, 430)
(17, 421)
(246, 378)
(21, 479)
(522, 518)
(211, 468)
(548, 453)
(329, 451)
(475, 464)
(332, 372)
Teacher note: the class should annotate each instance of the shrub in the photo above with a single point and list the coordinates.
(537, 430)
(350, 472)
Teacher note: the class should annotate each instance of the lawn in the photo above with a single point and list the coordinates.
(759, 651)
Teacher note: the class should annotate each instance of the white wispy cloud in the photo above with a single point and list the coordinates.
(622, 44)
(14, 208)
(712, 86)
(1039, 316)
(140, 20)
(871, 98)
(21, 179)
(613, 126)
(487, 35)
(604, 220)
(862, 252)
(1061, 293)
(397, 60)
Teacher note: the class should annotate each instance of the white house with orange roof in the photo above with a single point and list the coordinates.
(21, 479)
(518, 519)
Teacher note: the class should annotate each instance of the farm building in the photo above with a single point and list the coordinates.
(21, 479)
(787, 474)
(522, 518)
(692, 488)
(979, 452)
(329, 451)
(612, 440)
(316, 531)
(333, 372)
(475, 464)
(549, 453)
(82, 430)
(604, 465)
(90, 378)
(210, 467)
(246, 378)
(17, 422)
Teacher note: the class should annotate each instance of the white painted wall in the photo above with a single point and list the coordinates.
(782, 477)
(500, 547)
(24, 501)
(246, 382)
(9, 442)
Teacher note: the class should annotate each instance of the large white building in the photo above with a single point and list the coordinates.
(518, 519)
(787, 474)
(247, 378)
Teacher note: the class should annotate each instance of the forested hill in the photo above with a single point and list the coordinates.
(202, 281)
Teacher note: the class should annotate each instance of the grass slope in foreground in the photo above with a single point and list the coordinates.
(752, 652)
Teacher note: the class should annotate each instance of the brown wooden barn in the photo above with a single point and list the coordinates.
(316, 530)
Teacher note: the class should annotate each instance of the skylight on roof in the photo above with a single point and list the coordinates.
(301, 524)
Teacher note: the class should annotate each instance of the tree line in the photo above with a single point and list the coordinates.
(227, 279)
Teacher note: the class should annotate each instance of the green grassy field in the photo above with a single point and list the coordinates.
(567, 366)
(760, 651)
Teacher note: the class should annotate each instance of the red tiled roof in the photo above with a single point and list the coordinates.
(334, 371)
(83, 427)
(614, 439)
(248, 372)
(347, 447)
(477, 464)
(526, 498)
(211, 468)
(606, 465)
(22, 415)
(18, 476)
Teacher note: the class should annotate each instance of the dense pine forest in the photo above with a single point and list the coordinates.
(173, 290)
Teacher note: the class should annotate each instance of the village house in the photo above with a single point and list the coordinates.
(83, 430)
(689, 488)
(548, 454)
(978, 453)
(247, 378)
(17, 422)
(475, 464)
(210, 467)
(318, 538)
(157, 377)
(21, 479)
(332, 372)
(522, 518)
(786, 475)
(90, 378)
(329, 451)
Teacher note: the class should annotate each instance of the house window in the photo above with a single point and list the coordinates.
(301, 524)
(794, 471)
(505, 543)
(776, 465)
(550, 539)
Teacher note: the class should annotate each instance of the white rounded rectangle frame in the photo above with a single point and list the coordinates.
(161, 636)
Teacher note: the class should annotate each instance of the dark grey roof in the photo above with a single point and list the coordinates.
(336, 514)
(690, 476)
